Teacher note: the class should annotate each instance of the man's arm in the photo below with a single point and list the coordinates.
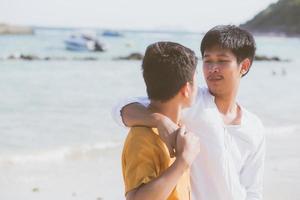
(161, 187)
(187, 147)
(252, 174)
(137, 114)
(121, 103)
(133, 112)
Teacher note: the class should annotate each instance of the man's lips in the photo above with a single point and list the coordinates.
(215, 77)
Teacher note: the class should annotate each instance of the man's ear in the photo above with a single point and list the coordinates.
(185, 90)
(246, 63)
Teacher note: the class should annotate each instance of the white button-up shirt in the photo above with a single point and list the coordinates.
(231, 161)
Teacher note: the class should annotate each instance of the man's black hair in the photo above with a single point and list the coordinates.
(237, 40)
(167, 66)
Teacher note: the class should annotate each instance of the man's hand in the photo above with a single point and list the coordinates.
(167, 131)
(187, 146)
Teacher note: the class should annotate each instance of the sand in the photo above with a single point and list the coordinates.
(98, 176)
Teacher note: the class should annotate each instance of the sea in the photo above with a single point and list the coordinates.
(58, 110)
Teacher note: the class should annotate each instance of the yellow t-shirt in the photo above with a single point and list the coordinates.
(145, 157)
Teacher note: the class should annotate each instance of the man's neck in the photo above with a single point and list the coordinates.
(228, 108)
(226, 105)
(169, 109)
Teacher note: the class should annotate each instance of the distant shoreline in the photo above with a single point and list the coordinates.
(255, 32)
(7, 29)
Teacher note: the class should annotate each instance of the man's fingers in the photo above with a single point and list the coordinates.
(167, 139)
(181, 131)
(171, 151)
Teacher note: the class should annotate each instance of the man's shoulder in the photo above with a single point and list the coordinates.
(254, 127)
(252, 119)
(139, 130)
(141, 137)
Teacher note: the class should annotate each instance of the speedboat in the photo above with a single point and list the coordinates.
(84, 42)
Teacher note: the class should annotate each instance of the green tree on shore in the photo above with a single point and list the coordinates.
(282, 17)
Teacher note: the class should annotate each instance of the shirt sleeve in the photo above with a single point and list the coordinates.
(116, 111)
(252, 173)
(142, 167)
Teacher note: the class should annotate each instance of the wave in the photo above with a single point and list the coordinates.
(281, 130)
(94, 151)
(60, 154)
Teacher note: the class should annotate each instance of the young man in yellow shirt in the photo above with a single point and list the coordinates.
(148, 170)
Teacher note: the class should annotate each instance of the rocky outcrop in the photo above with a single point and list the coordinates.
(132, 56)
(266, 58)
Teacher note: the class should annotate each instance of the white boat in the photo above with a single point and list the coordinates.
(84, 42)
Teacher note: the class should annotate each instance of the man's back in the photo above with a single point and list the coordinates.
(146, 157)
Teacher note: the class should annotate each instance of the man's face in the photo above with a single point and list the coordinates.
(221, 70)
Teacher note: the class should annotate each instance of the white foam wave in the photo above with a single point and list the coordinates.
(59, 154)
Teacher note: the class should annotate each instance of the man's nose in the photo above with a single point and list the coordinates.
(214, 67)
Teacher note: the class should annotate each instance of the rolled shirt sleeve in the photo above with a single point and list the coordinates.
(116, 111)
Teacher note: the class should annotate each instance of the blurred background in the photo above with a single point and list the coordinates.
(64, 64)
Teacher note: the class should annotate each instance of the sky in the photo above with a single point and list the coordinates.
(186, 15)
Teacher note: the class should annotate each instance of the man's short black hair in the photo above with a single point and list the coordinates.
(239, 41)
(167, 66)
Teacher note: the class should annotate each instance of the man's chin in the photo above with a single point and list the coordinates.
(213, 91)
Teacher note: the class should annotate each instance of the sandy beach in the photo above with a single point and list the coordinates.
(98, 176)
(282, 167)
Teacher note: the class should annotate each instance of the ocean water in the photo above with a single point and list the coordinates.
(59, 110)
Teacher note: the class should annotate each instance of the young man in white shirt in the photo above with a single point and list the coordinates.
(231, 161)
